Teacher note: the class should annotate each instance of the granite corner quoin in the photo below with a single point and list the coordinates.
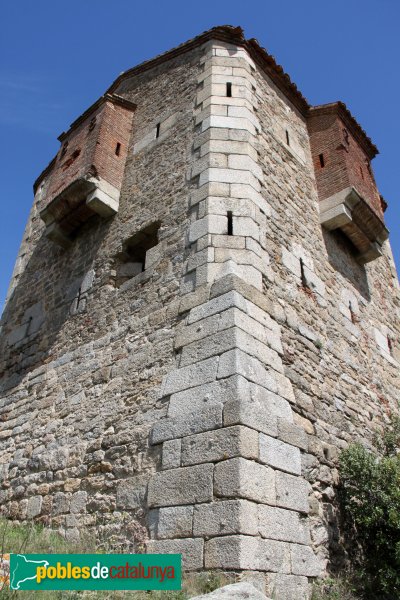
(203, 312)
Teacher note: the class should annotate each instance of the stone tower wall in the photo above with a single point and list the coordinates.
(202, 403)
(81, 358)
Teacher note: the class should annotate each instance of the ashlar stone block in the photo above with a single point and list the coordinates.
(274, 556)
(304, 561)
(190, 548)
(210, 417)
(241, 478)
(175, 522)
(292, 492)
(255, 407)
(197, 398)
(216, 305)
(186, 485)
(220, 445)
(191, 376)
(231, 552)
(224, 518)
(171, 454)
(279, 455)
(280, 524)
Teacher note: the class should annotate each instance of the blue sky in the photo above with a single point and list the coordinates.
(58, 57)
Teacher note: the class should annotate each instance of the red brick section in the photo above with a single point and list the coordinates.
(346, 156)
(89, 148)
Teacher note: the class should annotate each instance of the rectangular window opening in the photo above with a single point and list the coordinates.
(362, 173)
(158, 130)
(390, 345)
(118, 149)
(132, 260)
(230, 222)
(321, 160)
(229, 89)
(287, 138)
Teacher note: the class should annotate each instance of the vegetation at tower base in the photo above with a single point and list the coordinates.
(371, 499)
(32, 538)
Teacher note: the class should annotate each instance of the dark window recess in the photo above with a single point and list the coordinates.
(362, 173)
(390, 345)
(303, 277)
(230, 222)
(132, 260)
(287, 138)
(118, 149)
(71, 159)
(158, 130)
(92, 124)
(229, 89)
(321, 160)
(64, 150)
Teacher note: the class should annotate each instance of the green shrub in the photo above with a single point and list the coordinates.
(371, 499)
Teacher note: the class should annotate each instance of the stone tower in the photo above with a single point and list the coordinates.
(204, 311)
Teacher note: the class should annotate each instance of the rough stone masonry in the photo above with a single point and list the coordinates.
(204, 311)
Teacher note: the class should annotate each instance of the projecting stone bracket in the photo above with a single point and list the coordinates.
(75, 205)
(350, 213)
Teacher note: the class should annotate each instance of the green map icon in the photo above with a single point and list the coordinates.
(23, 569)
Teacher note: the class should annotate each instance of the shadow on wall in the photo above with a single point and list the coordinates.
(53, 287)
(341, 255)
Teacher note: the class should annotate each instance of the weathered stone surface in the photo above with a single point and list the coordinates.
(175, 522)
(304, 561)
(190, 548)
(274, 556)
(241, 478)
(292, 492)
(231, 552)
(225, 517)
(199, 397)
(34, 507)
(220, 444)
(130, 494)
(187, 377)
(235, 591)
(285, 525)
(279, 455)
(186, 485)
(171, 454)
(209, 417)
(254, 406)
(288, 587)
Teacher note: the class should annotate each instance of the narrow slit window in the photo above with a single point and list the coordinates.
(118, 149)
(158, 130)
(321, 160)
(303, 274)
(287, 138)
(229, 89)
(352, 314)
(390, 345)
(230, 222)
(362, 173)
